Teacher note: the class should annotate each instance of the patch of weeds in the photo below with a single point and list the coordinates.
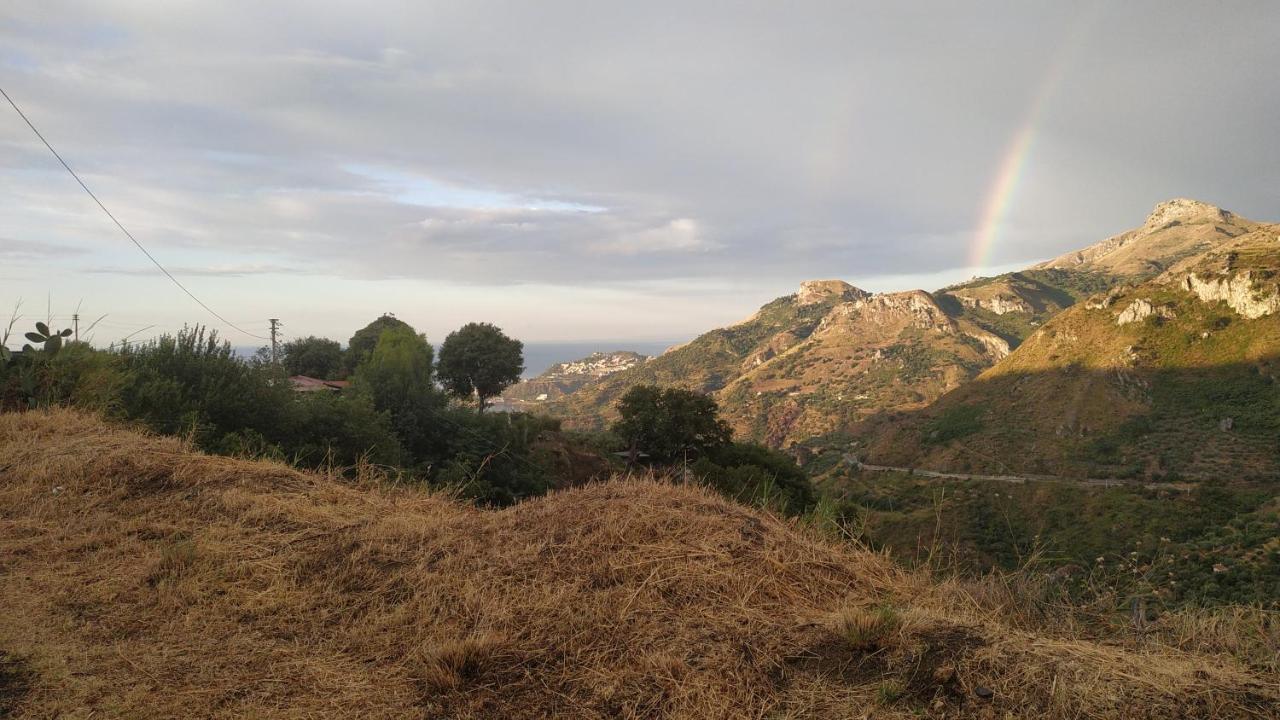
(866, 630)
(889, 692)
(450, 664)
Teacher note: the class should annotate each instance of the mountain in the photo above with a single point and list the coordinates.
(566, 377)
(812, 362)
(831, 357)
(1174, 375)
(876, 352)
(144, 580)
(1175, 229)
(712, 360)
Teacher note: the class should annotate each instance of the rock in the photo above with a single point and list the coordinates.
(1226, 423)
(1184, 210)
(985, 693)
(1141, 309)
(813, 292)
(999, 304)
(1219, 568)
(1240, 292)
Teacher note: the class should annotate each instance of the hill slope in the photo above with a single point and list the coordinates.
(1175, 375)
(714, 359)
(142, 580)
(821, 360)
(889, 351)
(566, 377)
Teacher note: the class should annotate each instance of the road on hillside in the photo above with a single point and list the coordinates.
(1018, 479)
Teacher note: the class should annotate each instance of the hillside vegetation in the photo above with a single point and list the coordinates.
(142, 579)
(1170, 378)
(809, 368)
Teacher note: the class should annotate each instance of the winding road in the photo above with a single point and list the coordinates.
(1019, 479)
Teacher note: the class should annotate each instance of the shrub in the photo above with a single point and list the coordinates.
(865, 630)
(954, 423)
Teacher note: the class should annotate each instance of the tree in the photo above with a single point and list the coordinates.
(397, 372)
(396, 377)
(479, 360)
(314, 357)
(670, 425)
(361, 345)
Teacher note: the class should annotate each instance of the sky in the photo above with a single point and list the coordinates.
(591, 170)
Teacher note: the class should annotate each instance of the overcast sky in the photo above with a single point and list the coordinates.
(598, 170)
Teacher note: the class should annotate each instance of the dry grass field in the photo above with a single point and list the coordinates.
(140, 579)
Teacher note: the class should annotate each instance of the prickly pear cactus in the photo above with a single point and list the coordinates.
(52, 341)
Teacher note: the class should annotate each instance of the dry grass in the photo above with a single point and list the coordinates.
(141, 580)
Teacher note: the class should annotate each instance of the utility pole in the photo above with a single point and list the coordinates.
(275, 329)
(75, 323)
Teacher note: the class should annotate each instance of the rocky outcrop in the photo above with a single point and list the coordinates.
(1241, 292)
(917, 306)
(1184, 210)
(1174, 229)
(998, 304)
(1141, 309)
(813, 292)
(996, 346)
(890, 312)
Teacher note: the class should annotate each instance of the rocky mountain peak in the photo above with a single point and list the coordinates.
(813, 292)
(1184, 210)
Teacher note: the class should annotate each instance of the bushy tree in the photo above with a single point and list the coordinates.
(340, 429)
(670, 425)
(361, 345)
(314, 357)
(397, 372)
(478, 360)
(192, 382)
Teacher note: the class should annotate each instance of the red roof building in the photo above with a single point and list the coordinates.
(302, 383)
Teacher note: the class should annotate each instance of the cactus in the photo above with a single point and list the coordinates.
(52, 341)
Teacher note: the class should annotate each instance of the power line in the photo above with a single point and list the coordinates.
(124, 230)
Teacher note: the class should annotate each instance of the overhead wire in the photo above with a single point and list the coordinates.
(118, 224)
(504, 450)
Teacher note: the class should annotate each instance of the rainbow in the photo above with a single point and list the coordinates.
(1002, 192)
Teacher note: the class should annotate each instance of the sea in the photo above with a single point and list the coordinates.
(539, 356)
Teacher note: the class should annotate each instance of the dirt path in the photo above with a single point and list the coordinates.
(1020, 479)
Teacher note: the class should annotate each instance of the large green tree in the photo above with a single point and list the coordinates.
(670, 425)
(397, 372)
(314, 357)
(478, 360)
(361, 345)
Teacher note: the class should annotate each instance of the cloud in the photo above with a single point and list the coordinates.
(581, 145)
(32, 250)
(208, 271)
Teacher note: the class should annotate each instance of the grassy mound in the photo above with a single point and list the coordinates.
(140, 579)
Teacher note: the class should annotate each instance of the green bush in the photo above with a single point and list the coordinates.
(954, 423)
(755, 474)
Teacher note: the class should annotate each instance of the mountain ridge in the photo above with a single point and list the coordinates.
(831, 356)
